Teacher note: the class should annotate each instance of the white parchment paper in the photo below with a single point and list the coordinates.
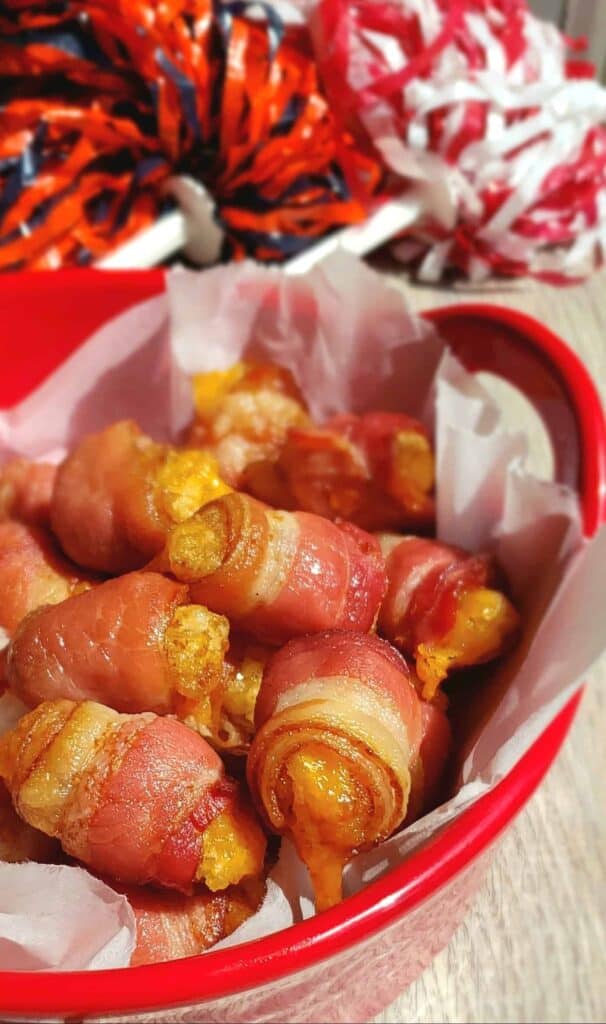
(55, 917)
(352, 344)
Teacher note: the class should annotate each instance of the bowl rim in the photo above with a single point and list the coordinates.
(424, 873)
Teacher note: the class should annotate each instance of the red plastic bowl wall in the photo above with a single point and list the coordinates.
(346, 964)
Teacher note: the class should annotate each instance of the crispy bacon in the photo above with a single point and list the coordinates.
(340, 727)
(277, 574)
(136, 797)
(118, 493)
(32, 573)
(442, 608)
(375, 470)
(25, 491)
(171, 925)
(243, 414)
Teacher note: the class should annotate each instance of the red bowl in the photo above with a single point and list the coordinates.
(350, 962)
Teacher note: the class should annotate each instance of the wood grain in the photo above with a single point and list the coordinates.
(533, 947)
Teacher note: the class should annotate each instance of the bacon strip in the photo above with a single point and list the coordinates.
(140, 798)
(32, 573)
(117, 494)
(376, 470)
(277, 574)
(171, 926)
(442, 608)
(25, 491)
(427, 773)
(340, 727)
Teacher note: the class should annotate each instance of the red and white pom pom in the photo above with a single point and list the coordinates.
(477, 100)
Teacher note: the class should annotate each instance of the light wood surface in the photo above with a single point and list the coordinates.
(533, 947)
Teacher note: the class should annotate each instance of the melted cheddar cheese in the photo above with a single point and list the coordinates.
(211, 388)
(326, 810)
(413, 469)
(485, 620)
(187, 480)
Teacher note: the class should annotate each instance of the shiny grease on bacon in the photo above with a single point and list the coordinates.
(340, 728)
(137, 797)
(277, 574)
(443, 607)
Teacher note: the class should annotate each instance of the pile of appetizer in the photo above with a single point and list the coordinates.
(240, 637)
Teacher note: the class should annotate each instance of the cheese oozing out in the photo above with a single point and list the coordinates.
(185, 481)
(327, 813)
(485, 622)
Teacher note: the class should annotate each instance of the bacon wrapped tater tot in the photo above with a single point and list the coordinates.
(19, 841)
(375, 470)
(32, 573)
(118, 493)
(136, 644)
(339, 729)
(133, 643)
(443, 607)
(277, 574)
(138, 798)
(244, 414)
(25, 491)
(171, 925)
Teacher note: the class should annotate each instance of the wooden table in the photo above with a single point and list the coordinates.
(533, 947)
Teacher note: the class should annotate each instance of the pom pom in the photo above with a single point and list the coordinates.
(102, 102)
(478, 100)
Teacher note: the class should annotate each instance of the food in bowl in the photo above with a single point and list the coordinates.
(336, 760)
(230, 624)
(443, 607)
(141, 798)
(118, 493)
(33, 572)
(148, 648)
(375, 470)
